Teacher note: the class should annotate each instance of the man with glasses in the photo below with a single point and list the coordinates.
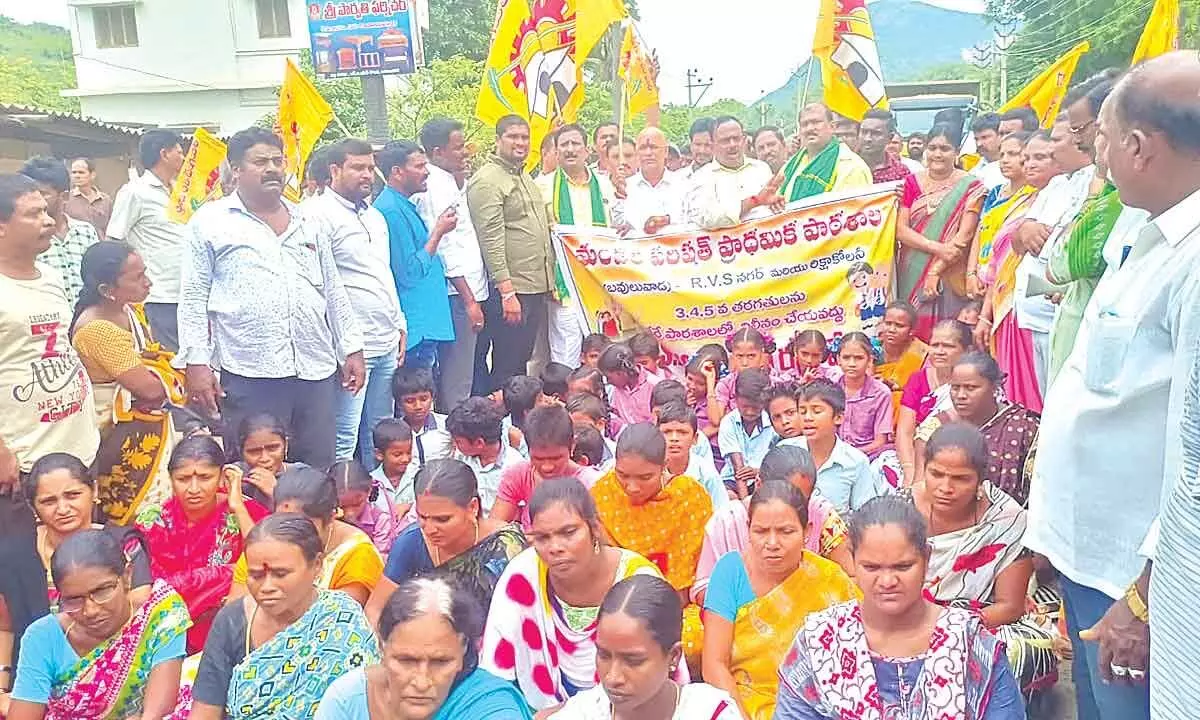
(654, 197)
(262, 302)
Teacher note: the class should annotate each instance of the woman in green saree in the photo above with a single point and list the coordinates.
(939, 211)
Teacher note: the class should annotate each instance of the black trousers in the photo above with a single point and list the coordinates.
(164, 324)
(511, 345)
(308, 408)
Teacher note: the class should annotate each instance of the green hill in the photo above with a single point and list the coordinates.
(37, 64)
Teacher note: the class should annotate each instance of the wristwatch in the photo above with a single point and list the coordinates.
(1136, 604)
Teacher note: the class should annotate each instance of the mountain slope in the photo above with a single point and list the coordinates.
(37, 65)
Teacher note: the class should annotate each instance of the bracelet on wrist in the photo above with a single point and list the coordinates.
(508, 296)
(1136, 604)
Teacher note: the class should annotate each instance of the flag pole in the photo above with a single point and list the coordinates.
(804, 92)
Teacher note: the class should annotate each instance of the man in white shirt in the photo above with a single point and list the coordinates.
(700, 138)
(467, 284)
(733, 188)
(986, 129)
(1045, 226)
(1112, 445)
(654, 197)
(771, 147)
(139, 217)
(359, 241)
(262, 302)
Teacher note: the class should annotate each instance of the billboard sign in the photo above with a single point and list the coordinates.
(370, 37)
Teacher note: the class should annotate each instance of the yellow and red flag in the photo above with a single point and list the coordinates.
(200, 179)
(850, 70)
(303, 117)
(1045, 92)
(637, 69)
(1161, 34)
(534, 67)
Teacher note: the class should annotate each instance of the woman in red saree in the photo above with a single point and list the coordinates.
(196, 536)
(939, 211)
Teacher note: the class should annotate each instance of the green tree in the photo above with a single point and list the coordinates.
(37, 84)
(446, 88)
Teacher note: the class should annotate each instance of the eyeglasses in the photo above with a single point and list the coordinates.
(101, 595)
(1082, 128)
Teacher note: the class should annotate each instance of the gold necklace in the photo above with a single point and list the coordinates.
(436, 555)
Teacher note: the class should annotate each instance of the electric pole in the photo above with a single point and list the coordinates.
(696, 82)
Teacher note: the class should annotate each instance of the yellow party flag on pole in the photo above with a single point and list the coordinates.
(1161, 34)
(1044, 94)
(850, 70)
(303, 117)
(637, 69)
(200, 178)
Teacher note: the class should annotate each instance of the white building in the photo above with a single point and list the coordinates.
(183, 63)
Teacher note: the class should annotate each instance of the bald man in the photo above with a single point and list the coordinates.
(1115, 480)
(654, 197)
(824, 163)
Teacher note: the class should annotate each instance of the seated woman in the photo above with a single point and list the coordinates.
(662, 518)
(541, 625)
(426, 620)
(758, 600)
(729, 529)
(928, 391)
(638, 651)
(450, 536)
(59, 487)
(978, 561)
(251, 667)
(132, 378)
(106, 654)
(903, 353)
(1011, 431)
(195, 538)
(349, 561)
(263, 446)
(885, 640)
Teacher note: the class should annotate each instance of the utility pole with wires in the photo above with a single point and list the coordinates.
(696, 82)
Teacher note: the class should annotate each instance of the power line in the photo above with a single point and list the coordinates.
(145, 72)
(1114, 17)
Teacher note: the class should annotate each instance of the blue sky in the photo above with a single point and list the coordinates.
(747, 48)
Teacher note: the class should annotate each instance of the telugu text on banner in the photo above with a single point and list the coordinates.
(200, 179)
(824, 263)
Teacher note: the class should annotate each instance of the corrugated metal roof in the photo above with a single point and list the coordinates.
(13, 109)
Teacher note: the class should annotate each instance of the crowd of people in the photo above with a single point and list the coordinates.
(357, 457)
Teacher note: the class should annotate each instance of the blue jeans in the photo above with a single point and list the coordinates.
(422, 355)
(1094, 699)
(358, 414)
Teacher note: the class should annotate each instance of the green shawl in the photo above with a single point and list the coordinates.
(1081, 256)
(564, 214)
(817, 175)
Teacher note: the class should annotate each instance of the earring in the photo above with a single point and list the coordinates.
(596, 546)
(979, 494)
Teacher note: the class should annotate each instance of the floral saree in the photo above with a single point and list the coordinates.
(1012, 345)
(286, 676)
(109, 683)
(196, 559)
(766, 627)
(131, 463)
(937, 214)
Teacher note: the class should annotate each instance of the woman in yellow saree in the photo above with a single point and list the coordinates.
(132, 379)
(757, 602)
(646, 510)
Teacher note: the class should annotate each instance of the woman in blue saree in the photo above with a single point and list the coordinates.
(431, 632)
(273, 653)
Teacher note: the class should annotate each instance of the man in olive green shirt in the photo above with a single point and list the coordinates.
(509, 214)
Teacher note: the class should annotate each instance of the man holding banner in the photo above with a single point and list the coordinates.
(734, 187)
(654, 198)
(574, 195)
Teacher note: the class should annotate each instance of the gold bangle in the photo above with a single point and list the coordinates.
(1136, 604)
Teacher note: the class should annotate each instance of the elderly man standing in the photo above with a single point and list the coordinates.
(1115, 438)
(86, 203)
(358, 237)
(732, 189)
(509, 213)
(139, 217)
(875, 131)
(654, 197)
(262, 302)
(574, 195)
(771, 147)
(824, 163)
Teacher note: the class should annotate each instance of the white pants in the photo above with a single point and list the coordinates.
(565, 333)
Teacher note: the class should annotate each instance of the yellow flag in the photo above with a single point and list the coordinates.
(533, 69)
(200, 179)
(1161, 34)
(1045, 92)
(637, 69)
(594, 17)
(850, 70)
(303, 116)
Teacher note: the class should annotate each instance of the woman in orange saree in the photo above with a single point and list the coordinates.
(939, 212)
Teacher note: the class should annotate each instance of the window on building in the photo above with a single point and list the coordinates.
(116, 26)
(273, 19)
